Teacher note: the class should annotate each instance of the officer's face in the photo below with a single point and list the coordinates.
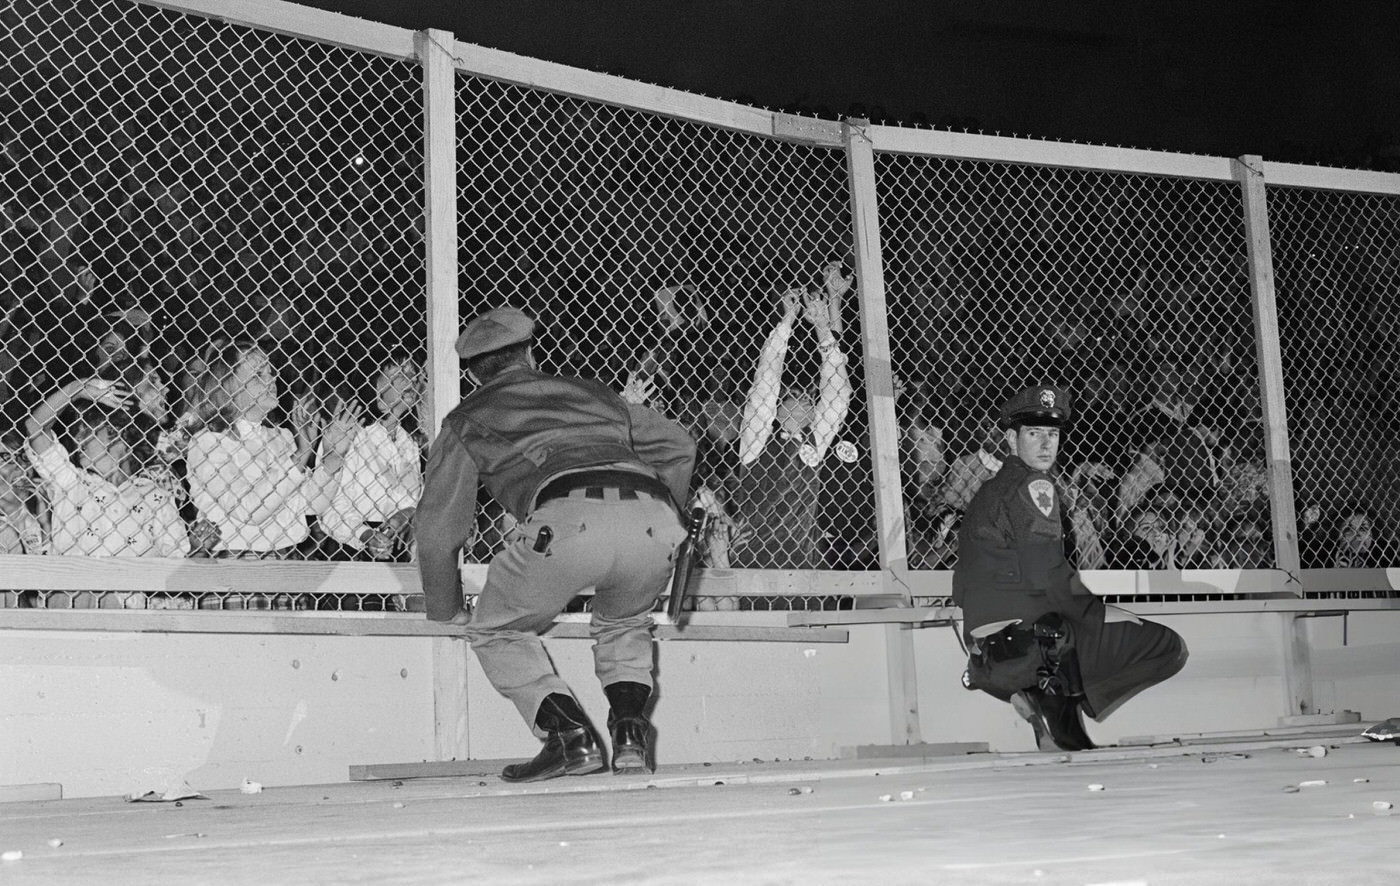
(1036, 446)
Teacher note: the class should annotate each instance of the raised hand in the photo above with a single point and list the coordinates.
(640, 387)
(113, 394)
(204, 536)
(816, 311)
(837, 285)
(792, 303)
(379, 544)
(306, 424)
(340, 430)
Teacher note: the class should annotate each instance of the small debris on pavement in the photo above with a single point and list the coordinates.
(1360, 780)
(1316, 751)
(12, 855)
(250, 787)
(1095, 787)
(885, 798)
(55, 843)
(1290, 789)
(906, 795)
(398, 805)
(1313, 783)
(1382, 806)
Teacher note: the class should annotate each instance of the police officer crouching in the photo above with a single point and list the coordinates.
(593, 482)
(1036, 635)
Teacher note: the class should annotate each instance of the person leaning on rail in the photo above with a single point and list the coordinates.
(1037, 637)
(594, 482)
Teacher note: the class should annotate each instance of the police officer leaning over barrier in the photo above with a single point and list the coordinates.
(594, 483)
(1036, 635)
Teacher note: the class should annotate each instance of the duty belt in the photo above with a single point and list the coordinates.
(604, 485)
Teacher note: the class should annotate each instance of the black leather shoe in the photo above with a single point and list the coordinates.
(629, 727)
(1055, 719)
(570, 748)
(631, 738)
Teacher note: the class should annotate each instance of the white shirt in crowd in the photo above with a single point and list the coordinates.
(381, 476)
(93, 517)
(248, 484)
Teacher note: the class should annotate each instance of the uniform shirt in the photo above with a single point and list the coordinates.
(516, 433)
(382, 475)
(247, 483)
(93, 517)
(1011, 557)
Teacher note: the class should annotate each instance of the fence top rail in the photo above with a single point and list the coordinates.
(496, 64)
(1298, 175)
(1005, 149)
(295, 20)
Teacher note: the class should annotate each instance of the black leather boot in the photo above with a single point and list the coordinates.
(1055, 719)
(571, 748)
(629, 726)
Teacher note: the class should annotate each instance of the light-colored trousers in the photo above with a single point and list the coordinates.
(623, 548)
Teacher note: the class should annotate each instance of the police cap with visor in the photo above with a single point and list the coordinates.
(1040, 406)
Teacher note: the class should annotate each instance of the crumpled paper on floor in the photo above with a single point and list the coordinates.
(183, 791)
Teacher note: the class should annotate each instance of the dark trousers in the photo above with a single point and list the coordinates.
(1117, 660)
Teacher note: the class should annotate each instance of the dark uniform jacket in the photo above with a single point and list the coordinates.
(1011, 556)
(516, 433)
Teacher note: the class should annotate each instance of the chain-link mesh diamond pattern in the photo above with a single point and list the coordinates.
(1337, 272)
(1129, 291)
(173, 185)
(658, 251)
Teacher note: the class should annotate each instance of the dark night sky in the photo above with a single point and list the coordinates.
(1305, 81)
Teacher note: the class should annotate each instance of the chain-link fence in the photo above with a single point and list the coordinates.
(705, 268)
(1337, 263)
(213, 246)
(1131, 292)
(212, 254)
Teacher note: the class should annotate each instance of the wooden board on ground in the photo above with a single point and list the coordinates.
(921, 750)
(427, 769)
(1301, 733)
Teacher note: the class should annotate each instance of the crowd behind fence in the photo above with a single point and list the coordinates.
(216, 306)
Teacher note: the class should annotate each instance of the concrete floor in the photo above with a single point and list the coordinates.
(1225, 812)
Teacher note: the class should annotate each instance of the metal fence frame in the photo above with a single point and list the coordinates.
(442, 57)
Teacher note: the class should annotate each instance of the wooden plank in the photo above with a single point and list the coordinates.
(922, 750)
(444, 372)
(1297, 175)
(924, 615)
(507, 66)
(18, 793)
(875, 346)
(300, 21)
(1301, 733)
(198, 576)
(1249, 172)
(451, 737)
(1351, 579)
(1003, 149)
(427, 769)
(354, 624)
(739, 633)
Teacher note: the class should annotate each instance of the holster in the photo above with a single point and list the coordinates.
(1040, 656)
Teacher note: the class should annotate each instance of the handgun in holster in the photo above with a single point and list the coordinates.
(686, 555)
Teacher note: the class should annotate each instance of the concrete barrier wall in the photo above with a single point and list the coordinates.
(107, 713)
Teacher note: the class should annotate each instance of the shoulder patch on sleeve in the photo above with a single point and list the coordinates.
(1042, 494)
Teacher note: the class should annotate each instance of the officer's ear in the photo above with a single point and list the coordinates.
(1011, 440)
(530, 355)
